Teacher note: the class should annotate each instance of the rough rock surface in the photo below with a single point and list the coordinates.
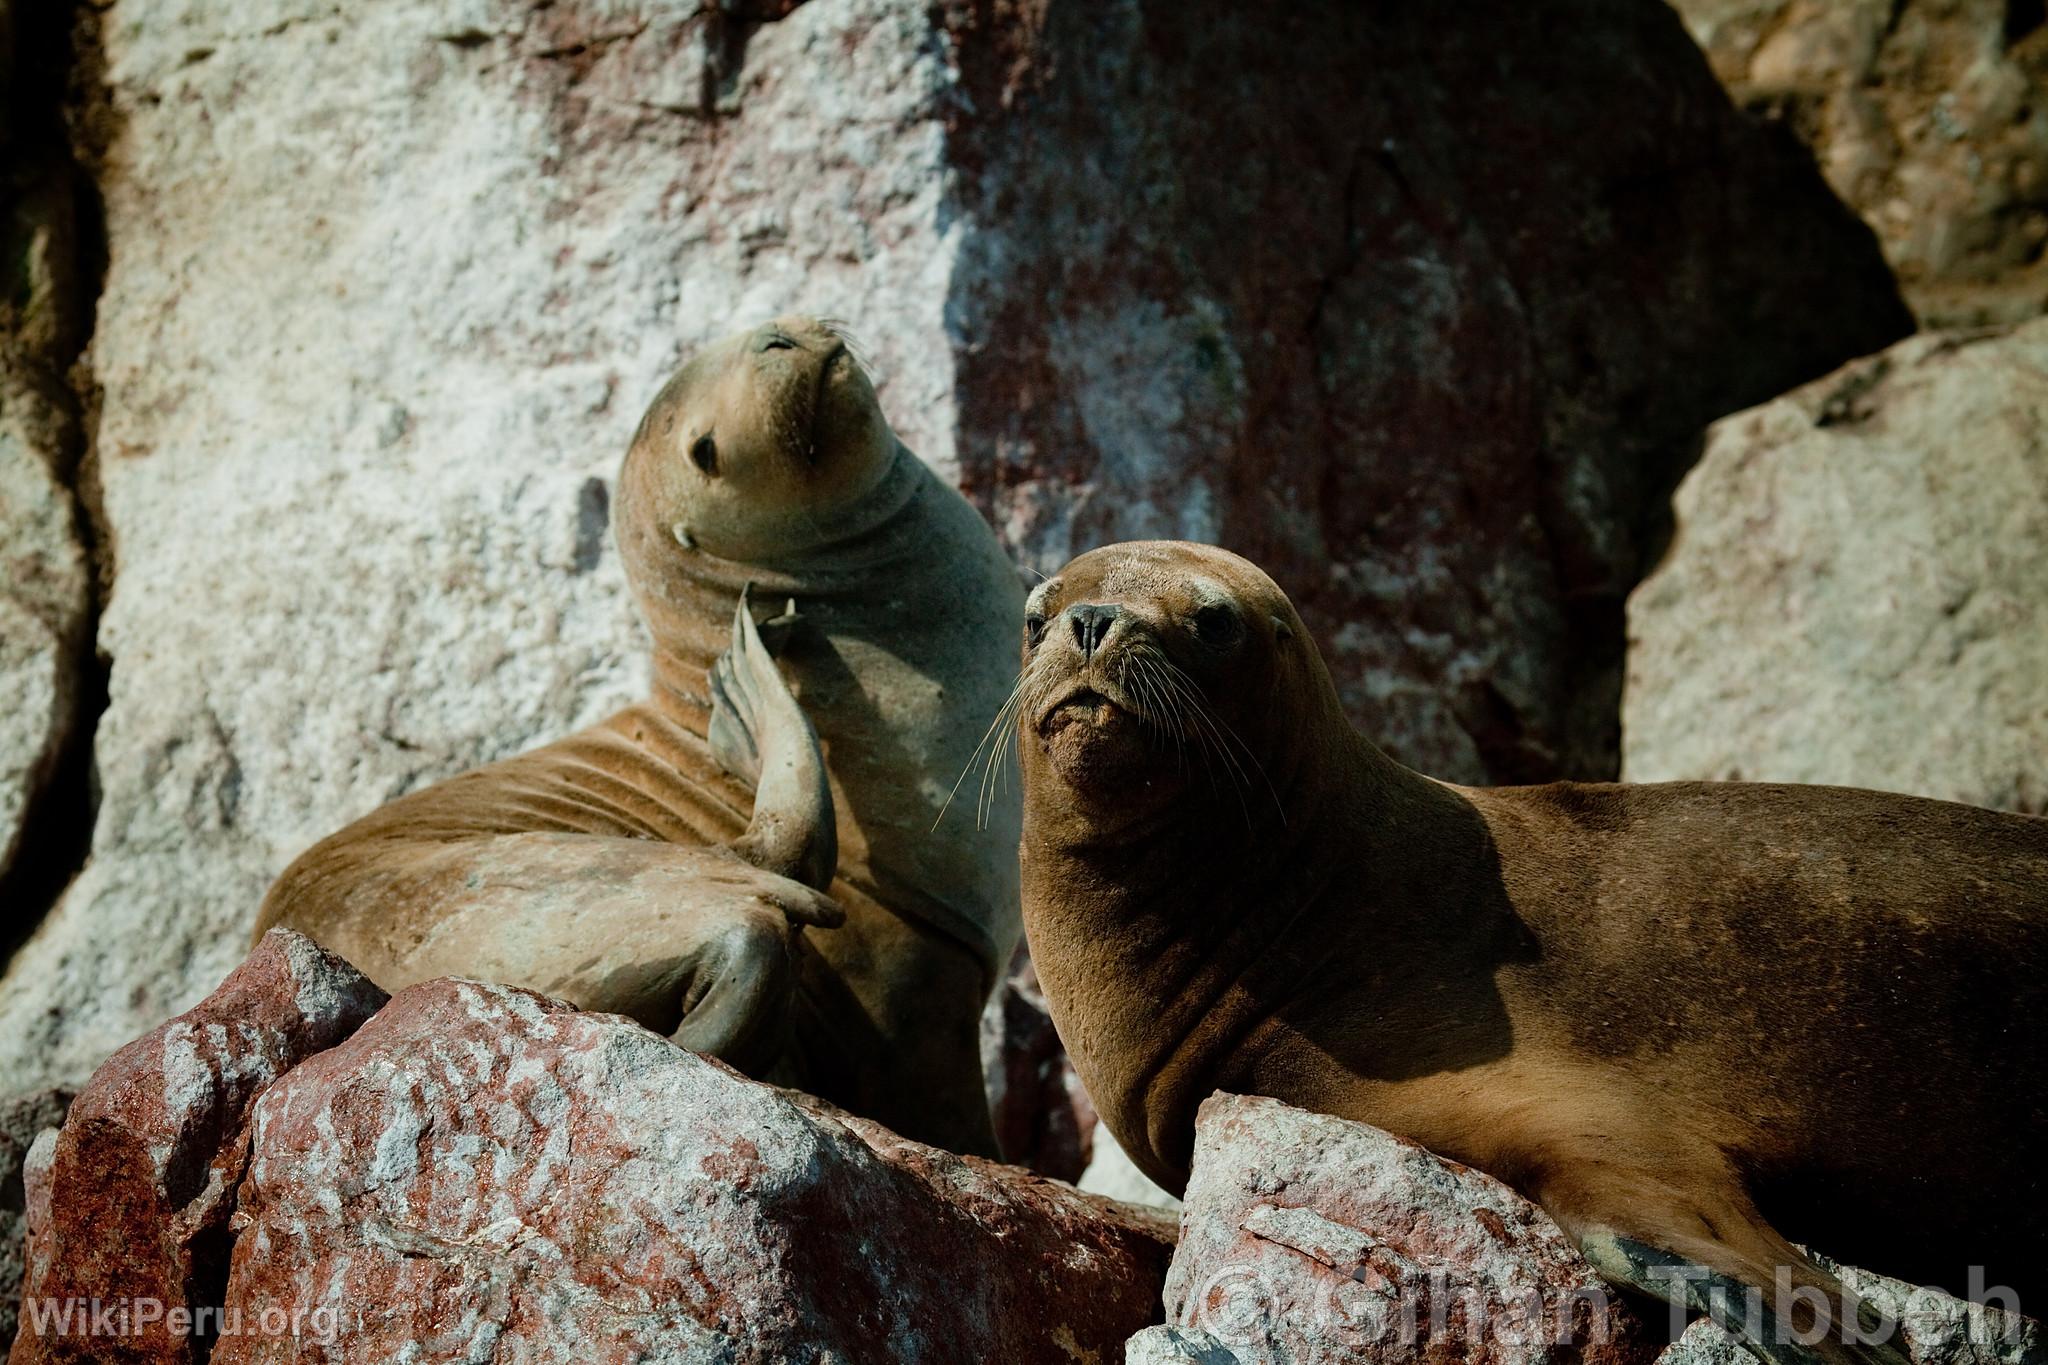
(45, 593)
(1855, 592)
(1389, 299)
(1042, 1114)
(1307, 1238)
(1168, 1345)
(1935, 1329)
(44, 605)
(140, 1184)
(483, 1172)
(23, 1118)
(1930, 117)
(390, 286)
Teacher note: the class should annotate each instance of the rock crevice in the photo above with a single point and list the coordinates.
(54, 547)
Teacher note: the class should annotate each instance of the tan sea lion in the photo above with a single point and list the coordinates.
(1692, 1020)
(616, 868)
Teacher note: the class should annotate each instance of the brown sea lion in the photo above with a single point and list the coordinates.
(616, 868)
(1692, 1020)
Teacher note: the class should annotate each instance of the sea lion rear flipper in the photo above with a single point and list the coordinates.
(761, 735)
(1737, 1271)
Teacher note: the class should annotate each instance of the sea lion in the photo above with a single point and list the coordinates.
(616, 867)
(1691, 1020)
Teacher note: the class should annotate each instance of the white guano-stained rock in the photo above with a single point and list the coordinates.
(45, 602)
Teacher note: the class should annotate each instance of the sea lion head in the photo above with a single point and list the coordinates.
(756, 448)
(1157, 672)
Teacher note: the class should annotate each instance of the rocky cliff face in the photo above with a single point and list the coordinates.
(1855, 591)
(48, 673)
(1396, 305)
(1929, 117)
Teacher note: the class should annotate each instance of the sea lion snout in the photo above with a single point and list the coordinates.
(1105, 698)
(1157, 672)
(1091, 623)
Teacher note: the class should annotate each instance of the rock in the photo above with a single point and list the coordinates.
(135, 1200)
(389, 289)
(1432, 376)
(1043, 1117)
(483, 1171)
(1112, 1173)
(1937, 1329)
(37, 677)
(1940, 1329)
(1308, 1238)
(1929, 117)
(1176, 1346)
(45, 591)
(45, 610)
(1854, 594)
(23, 1119)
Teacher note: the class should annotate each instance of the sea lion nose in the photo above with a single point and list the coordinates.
(1091, 623)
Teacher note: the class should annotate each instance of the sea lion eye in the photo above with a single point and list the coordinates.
(1034, 630)
(777, 342)
(1217, 624)
(704, 454)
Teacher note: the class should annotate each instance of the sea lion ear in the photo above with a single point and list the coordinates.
(1281, 630)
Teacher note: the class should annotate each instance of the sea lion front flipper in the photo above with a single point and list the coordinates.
(759, 734)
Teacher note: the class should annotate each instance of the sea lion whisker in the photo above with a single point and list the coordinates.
(1003, 748)
(1206, 744)
(1198, 712)
(1167, 712)
(991, 772)
(1009, 703)
(1184, 725)
(1214, 728)
(1238, 740)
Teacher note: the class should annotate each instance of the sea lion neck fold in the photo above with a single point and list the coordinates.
(836, 567)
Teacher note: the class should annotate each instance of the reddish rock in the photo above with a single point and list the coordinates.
(1421, 308)
(482, 1172)
(1309, 1239)
(23, 1118)
(134, 1205)
(1043, 1117)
